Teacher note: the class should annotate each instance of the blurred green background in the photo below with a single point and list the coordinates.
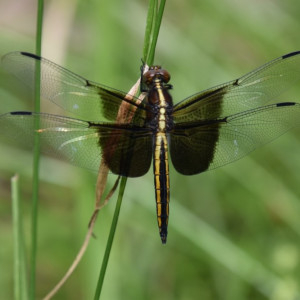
(234, 233)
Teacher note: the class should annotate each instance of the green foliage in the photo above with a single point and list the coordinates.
(233, 232)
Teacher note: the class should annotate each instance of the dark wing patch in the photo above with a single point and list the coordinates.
(193, 146)
(126, 151)
(197, 147)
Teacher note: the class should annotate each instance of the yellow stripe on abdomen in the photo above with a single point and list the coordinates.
(162, 183)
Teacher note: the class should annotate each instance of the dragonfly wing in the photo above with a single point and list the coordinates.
(200, 146)
(73, 93)
(252, 90)
(81, 143)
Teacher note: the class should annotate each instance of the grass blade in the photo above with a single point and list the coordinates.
(151, 36)
(110, 239)
(36, 158)
(154, 37)
(149, 28)
(20, 280)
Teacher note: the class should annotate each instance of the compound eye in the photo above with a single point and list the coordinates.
(165, 75)
(148, 76)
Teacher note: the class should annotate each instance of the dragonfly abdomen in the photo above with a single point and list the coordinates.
(162, 183)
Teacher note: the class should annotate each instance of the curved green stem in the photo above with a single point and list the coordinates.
(36, 158)
(151, 35)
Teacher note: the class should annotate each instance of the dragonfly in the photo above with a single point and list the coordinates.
(202, 132)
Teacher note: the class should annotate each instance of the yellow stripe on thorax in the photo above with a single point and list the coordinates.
(162, 109)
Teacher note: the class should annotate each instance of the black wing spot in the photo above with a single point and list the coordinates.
(236, 82)
(290, 54)
(21, 113)
(31, 55)
(87, 83)
(285, 104)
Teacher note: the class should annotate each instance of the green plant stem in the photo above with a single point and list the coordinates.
(20, 281)
(36, 158)
(149, 28)
(151, 36)
(155, 31)
(110, 239)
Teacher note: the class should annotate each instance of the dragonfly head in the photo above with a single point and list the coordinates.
(156, 72)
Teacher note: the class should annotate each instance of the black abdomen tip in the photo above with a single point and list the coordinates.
(163, 236)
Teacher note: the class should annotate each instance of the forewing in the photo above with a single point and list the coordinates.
(73, 93)
(197, 147)
(250, 91)
(80, 142)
